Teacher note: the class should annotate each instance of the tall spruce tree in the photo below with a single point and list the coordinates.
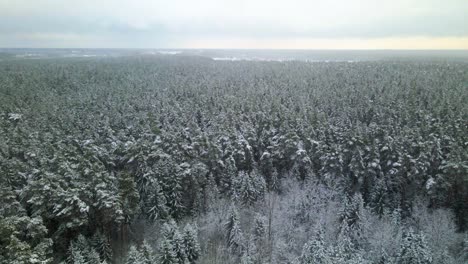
(414, 249)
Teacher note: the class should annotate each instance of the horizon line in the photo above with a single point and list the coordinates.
(279, 49)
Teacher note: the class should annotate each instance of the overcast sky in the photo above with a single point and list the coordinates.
(304, 24)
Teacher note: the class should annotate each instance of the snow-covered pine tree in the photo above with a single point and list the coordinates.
(129, 197)
(191, 245)
(80, 247)
(353, 210)
(345, 251)
(78, 258)
(414, 249)
(157, 203)
(267, 168)
(153, 200)
(259, 227)
(315, 251)
(179, 247)
(234, 235)
(23, 238)
(167, 254)
(176, 250)
(73, 253)
(171, 175)
(102, 246)
(248, 187)
(147, 254)
(92, 257)
(228, 175)
(133, 256)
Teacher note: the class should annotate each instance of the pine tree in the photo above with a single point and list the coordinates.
(315, 251)
(129, 197)
(344, 248)
(414, 249)
(249, 253)
(167, 253)
(171, 175)
(234, 237)
(73, 253)
(353, 210)
(81, 247)
(134, 256)
(157, 202)
(102, 246)
(259, 227)
(228, 175)
(177, 250)
(191, 245)
(345, 251)
(93, 257)
(154, 203)
(179, 247)
(78, 258)
(248, 187)
(147, 254)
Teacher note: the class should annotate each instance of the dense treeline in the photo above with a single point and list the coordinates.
(176, 159)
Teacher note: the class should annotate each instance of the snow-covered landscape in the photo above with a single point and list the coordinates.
(234, 132)
(161, 158)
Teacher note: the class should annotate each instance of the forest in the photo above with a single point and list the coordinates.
(175, 159)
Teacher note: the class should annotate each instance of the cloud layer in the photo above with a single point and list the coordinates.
(178, 23)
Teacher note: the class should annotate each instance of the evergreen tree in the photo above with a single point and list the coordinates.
(171, 175)
(259, 227)
(315, 251)
(414, 249)
(191, 245)
(102, 246)
(134, 256)
(353, 210)
(167, 253)
(129, 197)
(147, 254)
(75, 254)
(179, 247)
(93, 257)
(78, 258)
(177, 250)
(248, 187)
(228, 175)
(154, 203)
(234, 237)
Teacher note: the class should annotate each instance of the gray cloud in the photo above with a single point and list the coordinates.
(169, 22)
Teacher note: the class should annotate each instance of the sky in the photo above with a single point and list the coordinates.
(254, 24)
